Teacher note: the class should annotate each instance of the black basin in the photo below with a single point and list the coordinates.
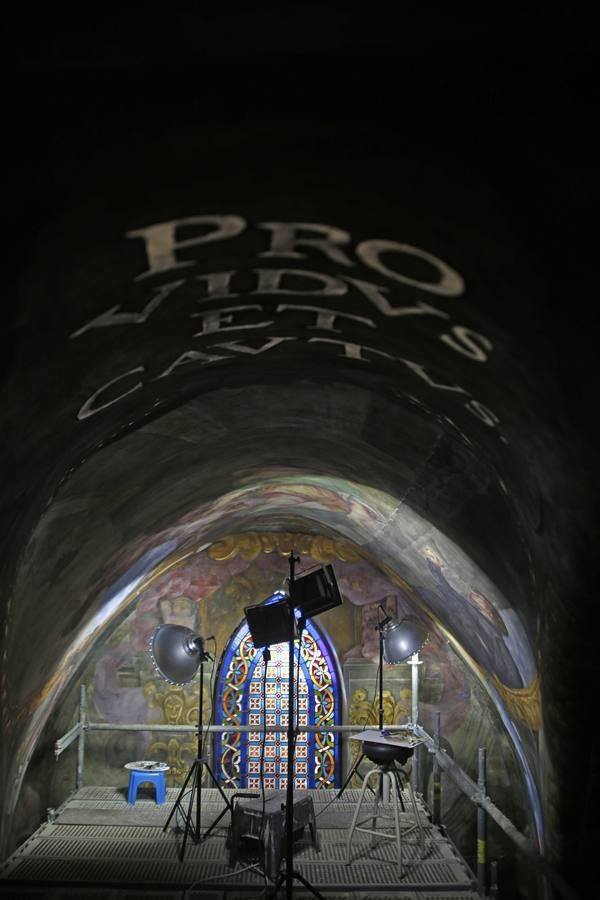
(383, 753)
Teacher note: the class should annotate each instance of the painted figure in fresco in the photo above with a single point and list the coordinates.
(363, 585)
(179, 611)
(226, 606)
(487, 609)
(474, 617)
(370, 615)
(443, 686)
(112, 699)
(173, 705)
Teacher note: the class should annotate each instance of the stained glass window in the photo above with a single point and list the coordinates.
(240, 700)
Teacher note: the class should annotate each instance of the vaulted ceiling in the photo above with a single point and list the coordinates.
(256, 288)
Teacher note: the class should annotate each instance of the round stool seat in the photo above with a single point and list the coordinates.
(145, 771)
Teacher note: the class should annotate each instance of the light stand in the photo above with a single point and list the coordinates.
(309, 595)
(176, 652)
(369, 747)
(290, 874)
(380, 628)
(398, 641)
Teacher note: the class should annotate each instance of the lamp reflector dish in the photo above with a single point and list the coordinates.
(402, 639)
(176, 652)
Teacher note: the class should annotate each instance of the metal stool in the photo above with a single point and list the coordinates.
(389, 778)
(267, 827)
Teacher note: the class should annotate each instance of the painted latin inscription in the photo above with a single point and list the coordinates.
(244, 311)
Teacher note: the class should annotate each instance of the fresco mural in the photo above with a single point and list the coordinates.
(208, 593)
(483, 632)
(372, 528)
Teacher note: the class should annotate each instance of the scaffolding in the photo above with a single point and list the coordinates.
(486, 870)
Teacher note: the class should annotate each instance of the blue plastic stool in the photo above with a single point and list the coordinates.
(158, 779)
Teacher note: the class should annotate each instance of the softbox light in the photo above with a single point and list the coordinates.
(177, 652)
(269, 623)
(315, 592)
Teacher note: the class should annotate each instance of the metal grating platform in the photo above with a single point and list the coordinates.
(101, 848)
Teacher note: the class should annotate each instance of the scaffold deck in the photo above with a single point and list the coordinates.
(99, 847)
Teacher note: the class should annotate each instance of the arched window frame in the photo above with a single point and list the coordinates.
(239, 660)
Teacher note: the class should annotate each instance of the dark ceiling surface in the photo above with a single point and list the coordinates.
(502, 103)
(469, 133)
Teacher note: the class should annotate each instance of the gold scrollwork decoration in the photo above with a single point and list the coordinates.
(524, 703)
(249, 545)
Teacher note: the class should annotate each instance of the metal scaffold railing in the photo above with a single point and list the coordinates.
(441, 762)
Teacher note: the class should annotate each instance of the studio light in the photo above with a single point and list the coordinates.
(397, 641)
(315, 592)
(177, 652)
(278, 619)
(269, 623)
(402, 639)
(308, 595)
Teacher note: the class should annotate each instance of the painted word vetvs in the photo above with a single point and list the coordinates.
(316, 297)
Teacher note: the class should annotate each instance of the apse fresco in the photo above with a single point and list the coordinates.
(383, 548)
(208, 593)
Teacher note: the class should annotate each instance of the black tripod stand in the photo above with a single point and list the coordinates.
(361, 755)
(192, 825)
(290, 875)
